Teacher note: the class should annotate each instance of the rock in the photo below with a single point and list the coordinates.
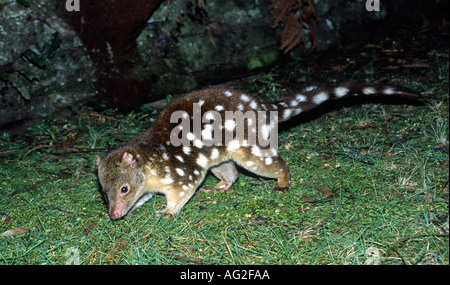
(49, 64)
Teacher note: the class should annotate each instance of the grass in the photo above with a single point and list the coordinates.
(386, 166)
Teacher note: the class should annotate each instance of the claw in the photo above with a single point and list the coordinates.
(226, 187)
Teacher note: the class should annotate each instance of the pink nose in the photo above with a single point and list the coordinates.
(116, 215)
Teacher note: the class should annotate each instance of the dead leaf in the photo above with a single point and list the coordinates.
(16, 231)
(324, 190)
(430, 197)
(307, 198)
(362, 127)
(288, 146)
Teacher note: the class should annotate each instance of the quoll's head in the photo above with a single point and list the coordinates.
(122, 179)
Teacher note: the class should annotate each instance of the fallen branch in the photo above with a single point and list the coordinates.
(29, 148)
(259, 222)
(405, 262)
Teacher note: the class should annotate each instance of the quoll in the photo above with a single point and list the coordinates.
(131, 174)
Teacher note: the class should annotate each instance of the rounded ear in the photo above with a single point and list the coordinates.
(129, 160)
(98, 159)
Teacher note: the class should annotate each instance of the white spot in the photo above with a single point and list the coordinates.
(240, 107)
(256, 151)
(329, 24)
(297, 111)
(182, 193)
(274, 107)
(268, 160)
(341, 91)
(301, 98)
(249, 163)
(369, 90)
(219, 108)
(209, 116)
(319, 98)
(230, 125)
(196, 172)
(190, 136)
(245, 98)
(202, 160)
(265, 130)
(207, 132)
(179, 158)
(274, 151)
(310, 88)
(152, 171)
(389, 91)
(167, 180)
(294, 103)
(214, 153)
(233, 145)
(185, 187)
(198, 143)
(253, 105)
(187, 150)
(165, 156)
(201, 102)
(228, 93)
(287, 113)
(185, 115)
(179, 171)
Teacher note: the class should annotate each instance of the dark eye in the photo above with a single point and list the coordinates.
(124, 189)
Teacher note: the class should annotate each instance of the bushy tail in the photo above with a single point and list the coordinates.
(314, 96)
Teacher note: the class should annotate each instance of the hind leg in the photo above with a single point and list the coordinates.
(272, 167)
(227, 173)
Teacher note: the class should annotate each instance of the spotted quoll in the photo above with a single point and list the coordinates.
(156, 162)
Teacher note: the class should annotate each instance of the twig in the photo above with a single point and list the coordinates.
(419, 235)
(398, 253)
(405, 262)
(82, 150)
(75, 150)
(260, 222)
(35, 186)
(420, 258)
(29, 148)
(348, 156)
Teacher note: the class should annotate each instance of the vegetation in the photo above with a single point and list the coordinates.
(369, 184)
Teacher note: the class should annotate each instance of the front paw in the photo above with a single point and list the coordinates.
(281, 189)
(164, 214)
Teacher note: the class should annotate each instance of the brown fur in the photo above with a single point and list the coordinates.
(149, 164)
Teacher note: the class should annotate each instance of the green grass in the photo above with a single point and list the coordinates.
(389, 179)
